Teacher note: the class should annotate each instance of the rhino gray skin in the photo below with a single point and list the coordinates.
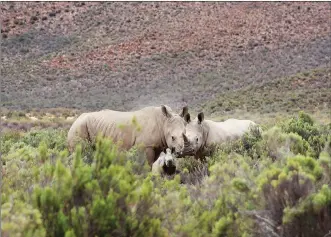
(155, 128)
(204, 135)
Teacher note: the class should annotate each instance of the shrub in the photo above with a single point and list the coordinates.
(193, 170)
(304, 126)
(277, 144)
(288, 193)
(261, 185)
(218, 201)
(54, 138)
(249, 144)
(104, 199)
(8, 139)
(19, 218)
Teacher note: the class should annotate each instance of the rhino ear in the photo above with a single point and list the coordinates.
(166, 112)
(187, 118)
(184, 111)
(201, 117)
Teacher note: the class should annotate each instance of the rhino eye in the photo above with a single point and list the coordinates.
(173, 138)
(197, 139)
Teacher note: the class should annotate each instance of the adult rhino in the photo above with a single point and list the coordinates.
(204, 135)
(155, 128)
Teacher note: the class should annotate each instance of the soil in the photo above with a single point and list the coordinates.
(124, 56)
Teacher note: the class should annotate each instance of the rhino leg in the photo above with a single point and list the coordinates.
(150, 155)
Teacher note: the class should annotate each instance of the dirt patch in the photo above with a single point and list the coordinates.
(206, 27)
(20, 17)
(129, 55)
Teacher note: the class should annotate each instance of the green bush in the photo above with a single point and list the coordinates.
(248, 145)
(8, 139)
(295, 201)
(269, 184)
(21, 219)
(277, 144)
(102, 199)
(304, 126)
(221, 198)
(54, 138)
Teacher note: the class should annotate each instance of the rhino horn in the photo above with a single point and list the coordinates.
(185, 138)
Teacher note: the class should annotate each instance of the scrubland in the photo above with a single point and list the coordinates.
(265, 61)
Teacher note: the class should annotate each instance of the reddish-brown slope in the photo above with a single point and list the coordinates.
(127, 55)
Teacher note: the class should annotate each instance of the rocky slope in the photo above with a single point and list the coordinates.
(122, 55)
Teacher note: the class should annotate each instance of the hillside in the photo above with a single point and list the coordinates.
(265, 61)
(126, 56)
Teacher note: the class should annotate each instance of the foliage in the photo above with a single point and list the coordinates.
(304, 126)
(265, 184)
(19, 218)
(102, 199)
(54, 139)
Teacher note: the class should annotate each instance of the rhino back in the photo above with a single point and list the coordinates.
(131, 128)
(237, 126)
(229, 130)
(216, 133)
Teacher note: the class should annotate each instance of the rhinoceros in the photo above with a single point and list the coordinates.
(155, 128)
(204, 135)
(165, 164)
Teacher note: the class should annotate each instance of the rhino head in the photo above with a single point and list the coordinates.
(174, 129)
(195, 135)
(169, 159)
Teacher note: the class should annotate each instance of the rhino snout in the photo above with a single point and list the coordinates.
(173, 149)
(170, 163)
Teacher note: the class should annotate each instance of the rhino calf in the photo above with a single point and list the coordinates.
(203, 134)
(165, 164)
(155, 128)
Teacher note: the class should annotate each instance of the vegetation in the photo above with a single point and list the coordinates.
(126, 56)
(286, 94)
(259, 61)
(277, 183)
